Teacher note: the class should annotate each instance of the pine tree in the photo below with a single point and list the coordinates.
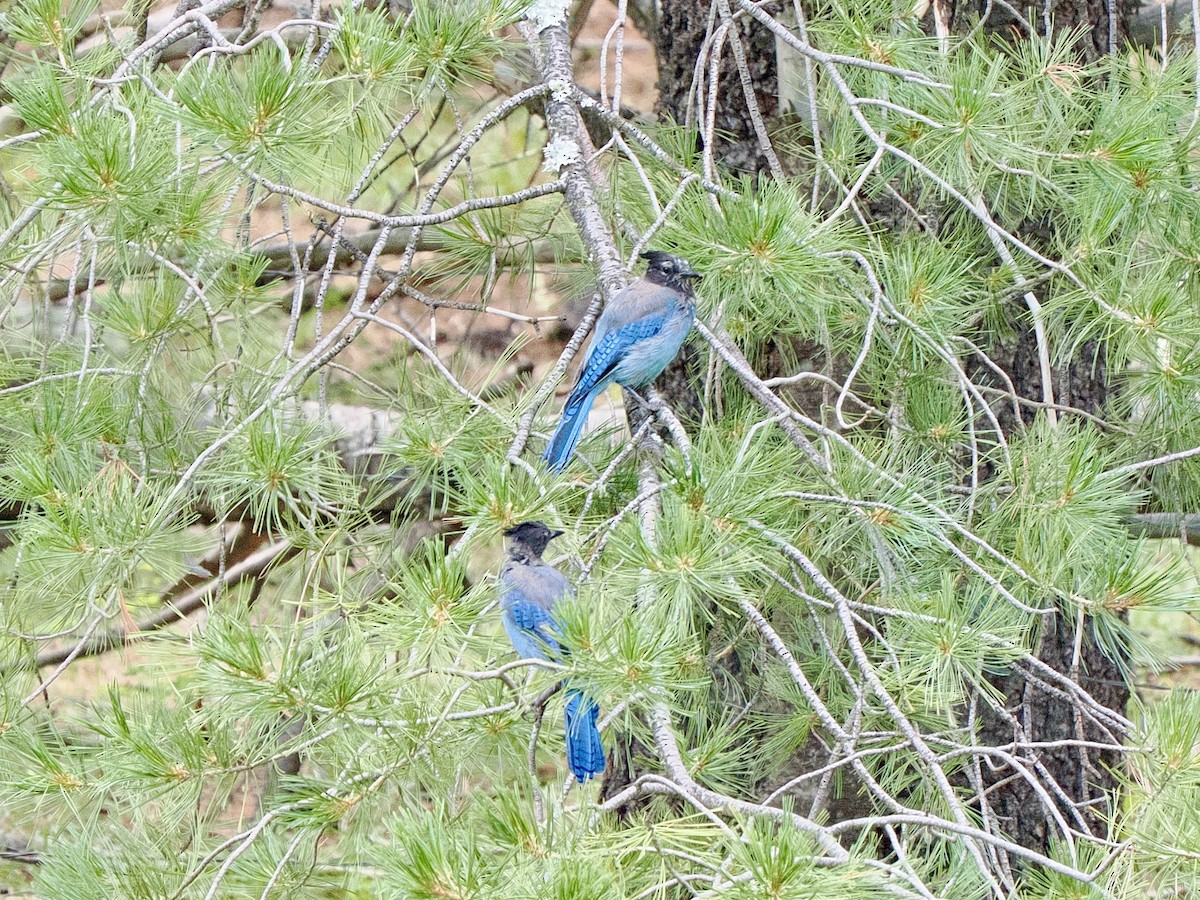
(272, 293)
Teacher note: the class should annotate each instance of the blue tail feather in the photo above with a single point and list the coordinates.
(570, 427)
(585, 752)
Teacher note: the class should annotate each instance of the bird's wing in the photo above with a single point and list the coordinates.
(640, 300)
(539, 582)
(608, 352)
(528, 597)
(531, 617)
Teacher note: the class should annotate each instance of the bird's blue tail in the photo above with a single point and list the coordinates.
(585, 753)
(566, 435)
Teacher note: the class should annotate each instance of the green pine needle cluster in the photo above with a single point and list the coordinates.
(185, 301)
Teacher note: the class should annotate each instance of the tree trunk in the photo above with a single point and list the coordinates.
(683, 28)
(1087, 778)
(1103, 24)
(680, 42)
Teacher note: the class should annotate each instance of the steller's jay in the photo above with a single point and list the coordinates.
(530, 588)
(636, 337)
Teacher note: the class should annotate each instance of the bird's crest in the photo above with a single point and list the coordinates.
(533, 535)
(666, 268)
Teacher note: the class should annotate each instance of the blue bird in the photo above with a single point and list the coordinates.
(530, 588)
(636, 337)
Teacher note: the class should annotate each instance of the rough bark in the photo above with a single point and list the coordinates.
(683, 27)
(1103, 24)
(1089, 779)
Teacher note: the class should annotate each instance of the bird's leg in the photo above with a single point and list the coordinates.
(640, 413)
(658, 408)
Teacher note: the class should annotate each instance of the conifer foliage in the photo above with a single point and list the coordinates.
(254, 467)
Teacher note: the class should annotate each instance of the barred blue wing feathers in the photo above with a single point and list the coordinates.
(609, 352)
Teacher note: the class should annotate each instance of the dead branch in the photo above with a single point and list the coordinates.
(174, 609)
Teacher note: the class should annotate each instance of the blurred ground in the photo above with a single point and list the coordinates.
(477, 340)
(471, 341)
(638, 88)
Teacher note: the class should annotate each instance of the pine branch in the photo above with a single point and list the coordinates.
(17, 849)
(351, 249)
(175, 608)
(1167, 526)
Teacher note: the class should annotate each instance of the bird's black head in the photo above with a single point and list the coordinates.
(531, 536)
(672, 271)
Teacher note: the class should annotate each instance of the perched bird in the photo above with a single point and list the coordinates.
(530, 587)
(637, 335)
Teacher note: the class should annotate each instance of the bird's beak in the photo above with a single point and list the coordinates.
(690, 273)
(554, 534)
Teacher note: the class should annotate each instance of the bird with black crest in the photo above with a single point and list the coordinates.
(636, 337)
(530, 588)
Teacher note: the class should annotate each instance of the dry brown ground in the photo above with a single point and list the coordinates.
(473, 342)
(481, 336)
